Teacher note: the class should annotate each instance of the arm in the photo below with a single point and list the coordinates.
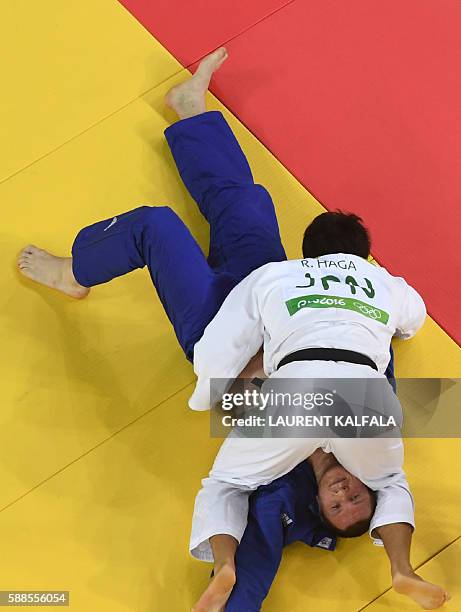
(228, 343)
(412, 312)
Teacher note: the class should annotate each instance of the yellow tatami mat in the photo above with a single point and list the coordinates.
(113, 527)
(67, 65)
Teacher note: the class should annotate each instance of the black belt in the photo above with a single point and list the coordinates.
(328, 354)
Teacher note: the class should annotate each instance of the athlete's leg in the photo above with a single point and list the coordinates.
(244, 233)
(191, 293)
(243, 236)
(220, 517)
(397, 542)
(51, 271)
(218, 592)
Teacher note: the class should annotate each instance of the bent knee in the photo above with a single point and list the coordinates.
(155, 213)
(156, 218)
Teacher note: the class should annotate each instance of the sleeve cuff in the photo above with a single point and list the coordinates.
(390, 520)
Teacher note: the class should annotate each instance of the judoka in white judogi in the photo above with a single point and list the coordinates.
(335, 301)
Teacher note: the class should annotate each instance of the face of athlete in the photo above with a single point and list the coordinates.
(343, 499)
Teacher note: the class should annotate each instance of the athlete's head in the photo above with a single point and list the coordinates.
(346, 504)
(336, 232)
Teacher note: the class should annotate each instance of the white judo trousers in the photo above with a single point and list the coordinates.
(243, 464)
(335, 301)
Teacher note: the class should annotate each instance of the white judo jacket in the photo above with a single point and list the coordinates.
(336, 301)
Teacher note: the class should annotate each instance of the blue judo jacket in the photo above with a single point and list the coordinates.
(280, 513)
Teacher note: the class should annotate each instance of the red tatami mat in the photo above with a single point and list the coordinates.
(361, 101)
(189, 30)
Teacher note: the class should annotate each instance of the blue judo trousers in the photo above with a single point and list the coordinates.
(244, 235)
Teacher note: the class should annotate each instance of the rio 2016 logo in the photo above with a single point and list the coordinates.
(326, 301)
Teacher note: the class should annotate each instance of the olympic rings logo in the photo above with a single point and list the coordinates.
(369, 311)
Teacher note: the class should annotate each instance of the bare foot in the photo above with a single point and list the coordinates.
(216, 595)
(188, 98)
(428, 596)
(49, 270)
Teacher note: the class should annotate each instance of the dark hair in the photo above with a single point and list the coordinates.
(356, 529)
(336, 232)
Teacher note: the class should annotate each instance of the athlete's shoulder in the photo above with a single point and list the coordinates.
(384, 272)
(373, 267)
(274, 267)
